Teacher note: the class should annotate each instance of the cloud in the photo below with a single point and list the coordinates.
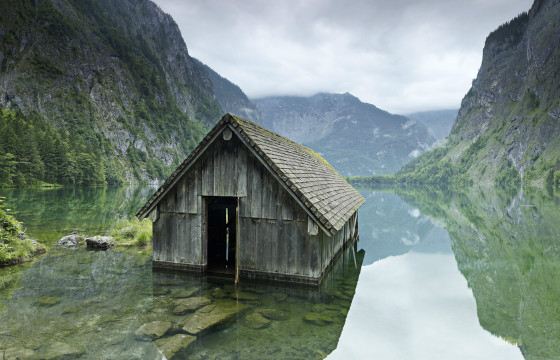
(400, 55)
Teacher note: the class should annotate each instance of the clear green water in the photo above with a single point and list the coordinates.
(434, 275)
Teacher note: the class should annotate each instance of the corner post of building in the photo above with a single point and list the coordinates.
(237, 239)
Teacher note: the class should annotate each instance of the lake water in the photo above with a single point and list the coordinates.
(434, 276)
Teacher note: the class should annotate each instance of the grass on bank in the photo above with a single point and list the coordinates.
(15, 247)
(133, 232)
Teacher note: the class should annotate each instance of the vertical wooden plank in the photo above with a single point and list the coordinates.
(257, 192)
(237, 242)
(280, 247)
(261, 244)
(208, 175)
(291, 252)
(195, 239)
(314, 262)
(273, 259)
(241, 164)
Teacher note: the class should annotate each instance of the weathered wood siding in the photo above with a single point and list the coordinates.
(274, 230)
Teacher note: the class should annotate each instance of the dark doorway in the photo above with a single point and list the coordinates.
(221, 234)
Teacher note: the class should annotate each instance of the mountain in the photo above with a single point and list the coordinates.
(229, 96)
(508, 128)
(99, 91)
(438, 122)
(356, 137)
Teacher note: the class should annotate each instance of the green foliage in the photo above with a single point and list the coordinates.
(13, 249)
(93, 86)
(33, 152)
(133, 232)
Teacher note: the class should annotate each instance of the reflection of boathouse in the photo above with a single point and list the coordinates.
(252, 203)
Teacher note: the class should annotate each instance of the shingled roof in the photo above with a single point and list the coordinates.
(307, 176)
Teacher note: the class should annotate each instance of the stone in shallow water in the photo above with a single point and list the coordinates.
(59, 351)
(100, 242)
(48, 300)
(318, 318)
(273, 314)
(153, 330)
(184, 306)
(170, 346)
(202, 321)
(244, 296)
(218, 293)
(255, 320)
(17, 354)
(184, 293)
(71, 240)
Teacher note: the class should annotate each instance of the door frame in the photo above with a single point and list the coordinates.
(204, 251)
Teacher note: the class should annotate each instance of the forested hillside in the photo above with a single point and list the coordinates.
(96, 91)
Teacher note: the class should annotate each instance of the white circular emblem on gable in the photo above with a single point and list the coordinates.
(226, 134)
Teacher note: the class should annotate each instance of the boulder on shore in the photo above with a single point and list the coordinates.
(71, 240)
(100, 242)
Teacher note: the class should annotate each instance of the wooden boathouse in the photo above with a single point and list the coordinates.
(253, 204)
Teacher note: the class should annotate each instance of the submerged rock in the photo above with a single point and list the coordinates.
(273, 314)
(153, 330)
(17, 353)
(184, 293)
(218, 293)
(59, 351)
(72, 240)
(100, 242)
(184, 306)
(202, 320)
(256, 320)
(48, 300)
(318, 318)
(244, 296)
(170, 346)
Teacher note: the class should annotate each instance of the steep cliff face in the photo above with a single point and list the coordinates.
(229, 96)
(112, 80)
(509, 122)
(356, 137)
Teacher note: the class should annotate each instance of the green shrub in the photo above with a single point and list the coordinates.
(133, 232)
(13, 249)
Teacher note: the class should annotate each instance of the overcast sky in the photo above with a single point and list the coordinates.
(401, 55)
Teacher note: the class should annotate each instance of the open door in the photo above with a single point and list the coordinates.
(222, 234)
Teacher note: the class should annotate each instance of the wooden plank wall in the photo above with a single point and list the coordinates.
(273, 227)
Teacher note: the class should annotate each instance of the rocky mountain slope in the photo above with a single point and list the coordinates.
(356, 137)
(508, 127)
(229, 96)
(100, 90)
(438, 122)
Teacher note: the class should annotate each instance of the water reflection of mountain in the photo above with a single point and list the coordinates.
(389, 227)
(508, 249)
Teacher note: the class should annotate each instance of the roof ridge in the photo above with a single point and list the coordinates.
(305, 173)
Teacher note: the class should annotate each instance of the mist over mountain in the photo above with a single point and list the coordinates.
(438, 122)
(356, 137)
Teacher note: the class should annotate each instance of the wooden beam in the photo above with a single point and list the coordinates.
(237, 241)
